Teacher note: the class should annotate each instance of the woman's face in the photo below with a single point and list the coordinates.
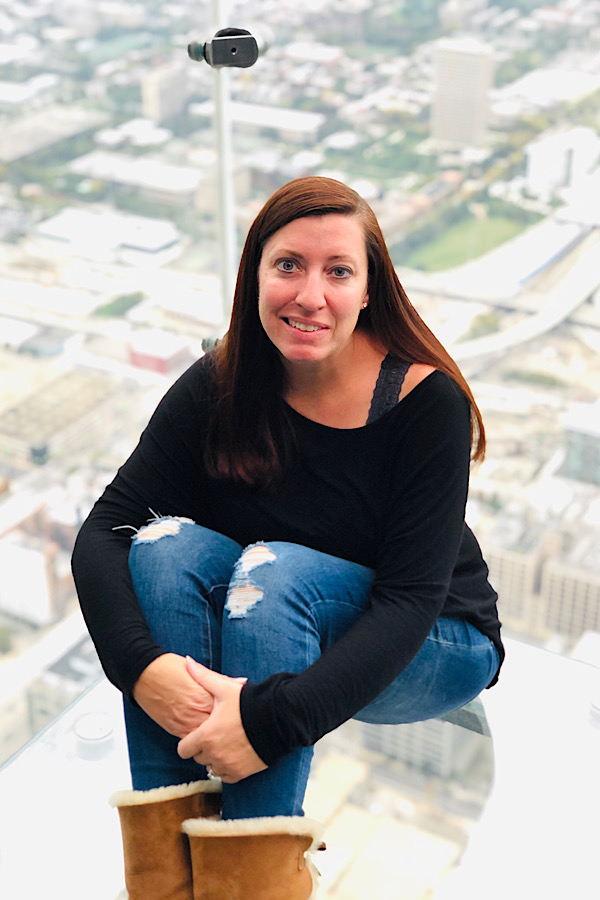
(312, 285)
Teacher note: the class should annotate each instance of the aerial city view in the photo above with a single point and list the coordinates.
(473, 130)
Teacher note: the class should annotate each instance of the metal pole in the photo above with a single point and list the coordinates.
(227, 243)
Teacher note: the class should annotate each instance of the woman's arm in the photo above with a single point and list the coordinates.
(162, 475)
(427, 492)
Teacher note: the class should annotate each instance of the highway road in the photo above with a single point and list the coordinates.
(573, 286)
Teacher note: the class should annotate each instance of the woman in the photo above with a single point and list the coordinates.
(307, 483)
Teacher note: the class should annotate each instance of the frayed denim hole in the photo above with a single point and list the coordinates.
(168, 526)
(243, 593)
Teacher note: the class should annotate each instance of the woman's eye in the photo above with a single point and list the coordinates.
(286, 265)
(341, 271)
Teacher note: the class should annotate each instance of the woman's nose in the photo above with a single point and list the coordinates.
(311, 294)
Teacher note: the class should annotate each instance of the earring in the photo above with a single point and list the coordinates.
(365, 304)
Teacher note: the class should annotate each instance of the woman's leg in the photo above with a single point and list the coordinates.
(285, 605)
(453, 666)
(281, 608)
(180, 573)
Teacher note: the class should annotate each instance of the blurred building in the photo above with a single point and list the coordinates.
(294, 126)
(570, 590)
(582, 429)
(36, 538)
(118, 14)
(62, 682)
(463, 75)
(38, 685)
(434, 747)
(514, 571)
(562, 160)
(456, 13)
(326, 56)
(62, 417)
(42, 129)
(36, 92)
(157, 181)
(79, 15)
(109, 236)
(159, 351)
(30, 589)
(164, 92)
(184, 303)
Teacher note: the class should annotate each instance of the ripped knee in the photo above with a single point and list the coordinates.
(243, 593)
(161, 527)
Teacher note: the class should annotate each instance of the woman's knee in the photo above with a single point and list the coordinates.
(244, 592)
(172, 546)
(296, 578)
(265, 569)
(160, 546)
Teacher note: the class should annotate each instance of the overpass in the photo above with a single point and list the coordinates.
(570, 281)
(572, 288)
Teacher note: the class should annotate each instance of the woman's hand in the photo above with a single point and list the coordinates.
(221, 741)
(168, 693)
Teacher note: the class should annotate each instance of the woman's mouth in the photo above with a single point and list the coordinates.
(302, 326)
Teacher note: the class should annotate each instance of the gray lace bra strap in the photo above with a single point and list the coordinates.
(389, 383)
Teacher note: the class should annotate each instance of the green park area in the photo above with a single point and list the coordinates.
(460, 242)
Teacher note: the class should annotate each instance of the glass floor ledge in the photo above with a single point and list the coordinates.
(535, 835)
(539, 833)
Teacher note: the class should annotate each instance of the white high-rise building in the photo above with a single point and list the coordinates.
(164, 92)
(434, 746)
(513, 573)
(570, 591)
(463, 74)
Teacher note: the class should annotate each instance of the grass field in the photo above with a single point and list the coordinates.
(466, 240)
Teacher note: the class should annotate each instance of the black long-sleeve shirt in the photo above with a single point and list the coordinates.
(390, 495)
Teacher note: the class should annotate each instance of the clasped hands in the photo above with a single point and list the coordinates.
(202, 708)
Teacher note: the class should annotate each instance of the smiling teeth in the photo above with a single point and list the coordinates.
(301, 326)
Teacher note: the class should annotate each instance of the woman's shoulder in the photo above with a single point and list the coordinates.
(421, 383)
(434, 404)
(426, 382)
(192, 391)
(416, 373)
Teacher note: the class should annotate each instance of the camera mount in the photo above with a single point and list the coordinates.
(230, 47)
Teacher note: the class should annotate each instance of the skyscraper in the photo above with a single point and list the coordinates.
(164, 92)
(463, 71)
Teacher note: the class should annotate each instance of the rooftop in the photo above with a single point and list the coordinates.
(40, 130)
(260, 116)
(137, 171)
(89, 230)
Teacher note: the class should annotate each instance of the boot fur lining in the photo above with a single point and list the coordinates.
(161, 794)
(265, 825)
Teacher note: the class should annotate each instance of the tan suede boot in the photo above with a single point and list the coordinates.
(254, 859)
(156, 852)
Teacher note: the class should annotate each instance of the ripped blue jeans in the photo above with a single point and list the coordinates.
(270, 608)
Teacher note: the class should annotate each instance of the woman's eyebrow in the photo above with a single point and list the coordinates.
(335, 257)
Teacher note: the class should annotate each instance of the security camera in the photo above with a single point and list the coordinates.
(233, 47)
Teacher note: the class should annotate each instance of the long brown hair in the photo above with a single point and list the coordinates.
(249, 436)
